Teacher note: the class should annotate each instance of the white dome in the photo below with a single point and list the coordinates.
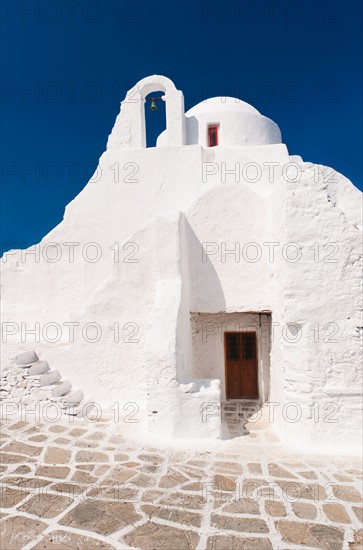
(239, 124)
(217, 104)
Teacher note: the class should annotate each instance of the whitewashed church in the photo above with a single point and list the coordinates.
(212, 267)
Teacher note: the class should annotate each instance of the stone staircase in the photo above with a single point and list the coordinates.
(30, 381)
(242, 417)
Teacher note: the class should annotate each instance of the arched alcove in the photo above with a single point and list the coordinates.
(129, 130)
(155, 117)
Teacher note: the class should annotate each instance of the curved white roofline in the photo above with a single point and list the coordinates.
(217, 104)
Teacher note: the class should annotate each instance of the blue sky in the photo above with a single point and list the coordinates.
(67, 65)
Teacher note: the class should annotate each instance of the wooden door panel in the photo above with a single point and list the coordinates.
(235, 381)
(249, 364)
(241, 365)
(233, 365)
(249, 382)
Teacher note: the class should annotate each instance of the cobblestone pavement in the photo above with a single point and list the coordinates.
(82, 485)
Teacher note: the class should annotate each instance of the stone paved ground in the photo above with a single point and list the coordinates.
(82, 485)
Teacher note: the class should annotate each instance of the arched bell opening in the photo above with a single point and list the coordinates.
(155, 116)
(130, 128)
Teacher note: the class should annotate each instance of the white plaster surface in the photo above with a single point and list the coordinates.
(161, 235)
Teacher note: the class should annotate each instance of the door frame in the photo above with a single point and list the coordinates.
(225, 364)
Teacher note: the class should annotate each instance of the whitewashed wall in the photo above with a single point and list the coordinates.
(162, 206)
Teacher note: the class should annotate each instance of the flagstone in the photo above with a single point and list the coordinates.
(70, 489)
(346, 493)
(224, 483)
(77, 432)
(242, 506)
(7, 458)
(85, 467)
(336, 513)
(192, 472)
(17, 531)
(100, 516)
(354, 471)
(57, 472)
(119, 474)
(183, 499)
(62, 441)
(69, 541)
(308, 475)
(22, 448)
(152, 495)
(311, 534)
(18, 426)
(57, 429)
(230, 542)
(32, 430)
(100, 469)
(298, 490)
(86, 444)
(358, 511)
(154, 536)
(56, 455)
(304, 510)
(275, 508)
(245, 525)
(254, 468)
(342, 477)
(150, 468)
(9, 496)
(22, 469)
(193, 486)
(46, 505)
(26, 482)
(144, 480)
(278, 471)
(116, 491)
(122, 457)
(230, 467)
(150, 458)
(198, 463)
(177, 516)
(97, 436)
(38, 438)
(84, 477)
(91, 456)
(172, 478)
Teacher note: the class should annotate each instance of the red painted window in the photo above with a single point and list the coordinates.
(212, 135)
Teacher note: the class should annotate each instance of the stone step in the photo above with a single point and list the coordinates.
(72, 398)
(30, 380)
(49, 378)
(62, 388)
(26, 358)
(40, 367)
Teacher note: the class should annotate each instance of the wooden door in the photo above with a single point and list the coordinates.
(241, 365)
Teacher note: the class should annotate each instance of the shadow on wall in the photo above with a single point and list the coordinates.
(192, 130)
(205, 289)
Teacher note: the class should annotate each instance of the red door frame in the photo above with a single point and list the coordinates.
(213, 128)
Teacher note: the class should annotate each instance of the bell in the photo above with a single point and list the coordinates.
(153, 106)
